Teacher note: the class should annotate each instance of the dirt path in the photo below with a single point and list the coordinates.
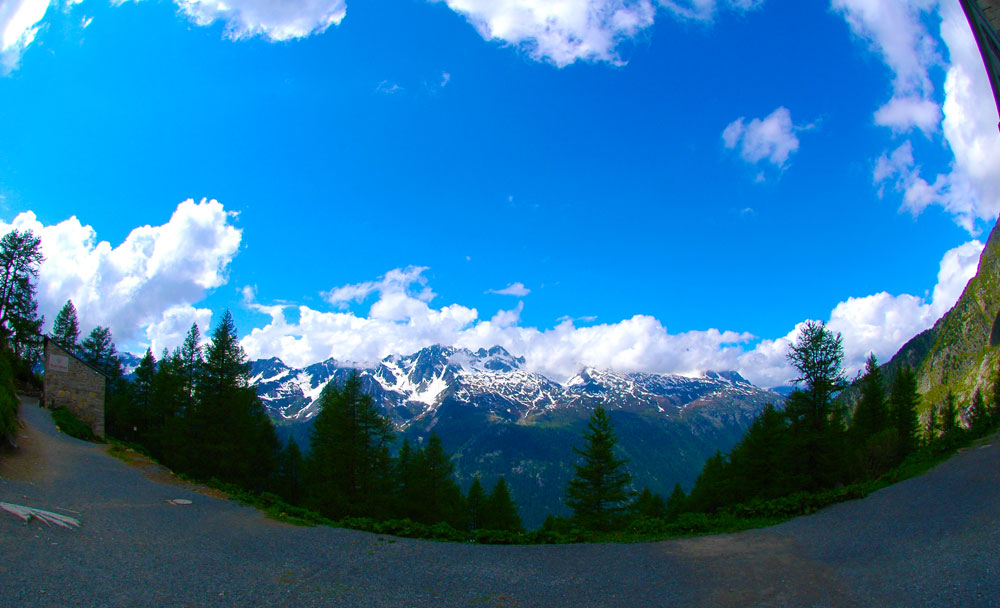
(931, 541)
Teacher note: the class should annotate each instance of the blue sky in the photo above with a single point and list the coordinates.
(655, 186)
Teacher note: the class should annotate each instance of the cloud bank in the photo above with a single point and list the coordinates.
(402, 320)
(145, 288)
(970, 189)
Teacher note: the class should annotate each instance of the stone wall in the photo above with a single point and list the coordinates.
(71, 383)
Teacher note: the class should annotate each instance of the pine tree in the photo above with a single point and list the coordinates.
(190, 360)
(979, 416)
(649, 504)
(439, 499)
(948, 412)
(903, 403)
(20, 325)
(597, 492)
(66, 327)
(232, 437)
(98, 349)
(404, 487)
(758, 463)
(476, 502)
(676, 503)
(349, 464)
(871, 416)
(501, 511)
(290, 472)
(816, 434)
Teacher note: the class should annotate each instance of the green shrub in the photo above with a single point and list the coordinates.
(8, 399)
(68, 423)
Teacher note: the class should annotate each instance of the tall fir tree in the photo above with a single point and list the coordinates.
(290, 472)
(649, 504)
(234, 438)
(20, 325)
(349, 465)
(597, 493)
(190, 359)
(815, 426)
(979, 416)
(676, 503)
(475, 500)
(758, 464)
(871, 415)
(931, 427)
(501, 510)
(904, 400)
(98, 349)
(66, 327)
(949, 412)
(439, 499)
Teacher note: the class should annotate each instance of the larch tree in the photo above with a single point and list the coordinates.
(20, 325)
(597, 494)
(66, 327)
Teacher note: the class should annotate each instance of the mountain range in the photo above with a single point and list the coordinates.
(497, 418)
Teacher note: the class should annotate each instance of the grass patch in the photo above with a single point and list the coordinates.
(68, 423)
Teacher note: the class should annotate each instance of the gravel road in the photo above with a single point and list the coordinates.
(930, 541)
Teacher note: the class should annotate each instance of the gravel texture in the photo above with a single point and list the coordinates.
(929, 541)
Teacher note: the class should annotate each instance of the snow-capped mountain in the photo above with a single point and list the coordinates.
(497, 418)
(411, 388)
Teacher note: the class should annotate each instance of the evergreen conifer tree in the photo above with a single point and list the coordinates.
(816, 434)
(439, 499)
(597, 492)
(66, 327)
(948, 413)
(979, 416)
(98, 349)
(20, 325)
(349, 464)
(290, 472)
(758, 464)
(676, 503)
(871, 416)
(234, 437)
(501, 511)
(903, 403)
(649, 504)
(476, 501)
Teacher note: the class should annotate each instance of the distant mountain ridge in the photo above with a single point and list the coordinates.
(496, 418)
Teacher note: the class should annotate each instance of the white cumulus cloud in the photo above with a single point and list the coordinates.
(895, 30)
(969, 188)
(273, 19)
(400, 322)
(20, 21)
(514, 289)
(771, 138)
(146, 285)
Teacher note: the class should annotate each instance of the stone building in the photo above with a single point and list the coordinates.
(71, 383)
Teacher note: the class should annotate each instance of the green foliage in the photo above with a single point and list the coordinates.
(68, 423)
(475, 500)
(501, 512)
(649, 505)
(349, 468)
(597, 492)
(291, 469)
(98, 349)
(430, 481)
(8, 396)
(903, 403)
(20, 325)
(66, 327)
(871, 416)
(676, 503)
(949, 413)
(979, 416)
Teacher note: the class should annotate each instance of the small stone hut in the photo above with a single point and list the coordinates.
(75, 385)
